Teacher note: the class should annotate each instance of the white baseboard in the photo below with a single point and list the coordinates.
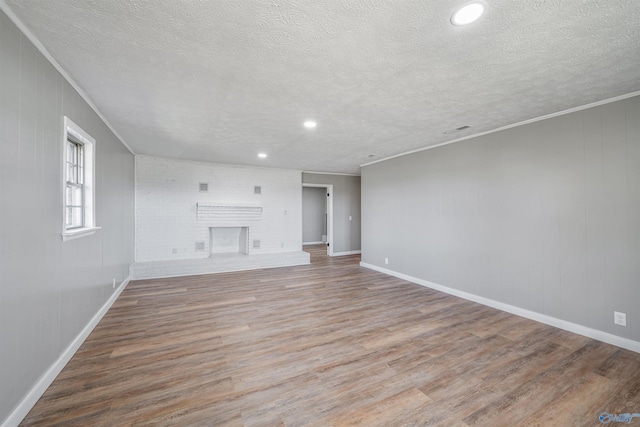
(346, 253)
(36, 392)
(538, 317)
(313, 243)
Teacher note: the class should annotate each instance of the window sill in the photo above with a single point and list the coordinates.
(81, 232)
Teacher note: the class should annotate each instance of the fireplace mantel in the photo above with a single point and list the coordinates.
(222, 213)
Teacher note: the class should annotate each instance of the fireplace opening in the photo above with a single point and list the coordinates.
(226, 240)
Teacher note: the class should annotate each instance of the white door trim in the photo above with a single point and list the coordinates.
(329, 188)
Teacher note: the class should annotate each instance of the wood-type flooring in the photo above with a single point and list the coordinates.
(329, 344)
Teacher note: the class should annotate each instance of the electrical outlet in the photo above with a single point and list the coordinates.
(114, 282)
(620, 318)
(350, 218)
(386, 260)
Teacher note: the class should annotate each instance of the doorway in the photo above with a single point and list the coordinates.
(321, 211)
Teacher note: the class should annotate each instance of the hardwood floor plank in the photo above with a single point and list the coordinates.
(329, 343)
(384, 412)
(583, 397)
(543, 389)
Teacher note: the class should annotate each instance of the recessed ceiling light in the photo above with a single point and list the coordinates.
(262, 155)
(310, 124)
(468, 13)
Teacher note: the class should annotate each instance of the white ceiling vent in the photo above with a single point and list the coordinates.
(204, 187)
(457, 129)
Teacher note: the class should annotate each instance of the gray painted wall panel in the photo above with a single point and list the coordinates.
(633, 181)
(595, 216)
(618, 240)
(545, 216)
(314, 208)
(346, 201)
(49, 290)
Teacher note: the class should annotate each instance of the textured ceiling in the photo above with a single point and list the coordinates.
(220, 81)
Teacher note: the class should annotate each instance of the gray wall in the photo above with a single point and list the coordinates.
(49, 290)
(346, 202)
(314, 208)
(544, 216)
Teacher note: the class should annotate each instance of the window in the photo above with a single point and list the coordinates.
(74, 192)
(79, 195)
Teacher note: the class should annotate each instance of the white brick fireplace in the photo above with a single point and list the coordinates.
(229, 226)
(192, 211)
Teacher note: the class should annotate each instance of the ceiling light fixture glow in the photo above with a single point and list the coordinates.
(310, 124)
(468, 13)
(262, 155)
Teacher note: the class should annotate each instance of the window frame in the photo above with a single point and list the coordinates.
(84, 168)
(74, 180)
